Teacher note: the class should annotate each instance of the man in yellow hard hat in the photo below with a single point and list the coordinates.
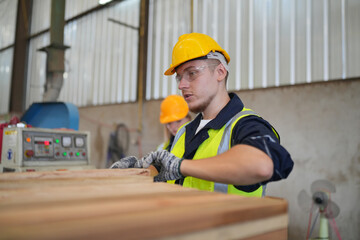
(174, 112)
(227, 147)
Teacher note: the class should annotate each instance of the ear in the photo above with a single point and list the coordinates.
(221, 72)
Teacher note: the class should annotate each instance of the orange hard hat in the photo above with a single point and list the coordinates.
(173, 108)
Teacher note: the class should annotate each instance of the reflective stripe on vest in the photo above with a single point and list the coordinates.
(224, 144)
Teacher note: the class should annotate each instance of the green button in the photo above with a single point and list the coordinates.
(57, 140)
(77, 154)
(64, 153)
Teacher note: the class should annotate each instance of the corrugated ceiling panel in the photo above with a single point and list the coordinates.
(271, 43)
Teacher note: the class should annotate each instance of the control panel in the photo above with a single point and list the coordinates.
(40, 146)
(44, 148)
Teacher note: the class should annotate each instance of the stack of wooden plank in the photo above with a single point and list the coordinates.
(127, 204)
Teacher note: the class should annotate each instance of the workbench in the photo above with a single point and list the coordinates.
(127, 204)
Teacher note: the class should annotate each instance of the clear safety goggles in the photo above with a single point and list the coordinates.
(192, 73)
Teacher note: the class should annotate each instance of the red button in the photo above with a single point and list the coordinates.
(29, 153)
(84, 154)
(71, 153)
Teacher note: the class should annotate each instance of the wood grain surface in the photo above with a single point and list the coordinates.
(123, 204)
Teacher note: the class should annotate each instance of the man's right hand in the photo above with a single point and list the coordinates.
(133, 162)
(126, 162)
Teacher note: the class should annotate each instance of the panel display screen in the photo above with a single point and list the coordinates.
(43, 147)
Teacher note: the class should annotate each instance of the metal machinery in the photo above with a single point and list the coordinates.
(42, 149)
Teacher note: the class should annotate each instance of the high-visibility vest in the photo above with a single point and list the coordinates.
(219, 141)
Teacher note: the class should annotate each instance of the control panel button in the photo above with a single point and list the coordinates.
(29, 153)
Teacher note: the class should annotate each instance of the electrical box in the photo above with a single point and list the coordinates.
(41, 149)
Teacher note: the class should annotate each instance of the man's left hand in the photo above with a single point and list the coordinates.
(170, 165)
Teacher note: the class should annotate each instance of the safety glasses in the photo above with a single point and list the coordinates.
(191, 73)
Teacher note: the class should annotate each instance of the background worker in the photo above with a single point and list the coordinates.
(174, 112)
(227, 147)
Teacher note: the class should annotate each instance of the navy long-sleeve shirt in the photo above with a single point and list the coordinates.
(251, 130)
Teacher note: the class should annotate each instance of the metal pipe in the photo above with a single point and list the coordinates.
(55, 66)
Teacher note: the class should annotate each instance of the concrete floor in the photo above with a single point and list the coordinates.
(319, 124)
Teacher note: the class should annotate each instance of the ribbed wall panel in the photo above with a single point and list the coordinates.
(42, 10)
(352, 14)
(101, 63)
(40, 17)
(8, 10)
(271, 43)
(74, 8)
(167, 21)
(36, 72)
(6, 62)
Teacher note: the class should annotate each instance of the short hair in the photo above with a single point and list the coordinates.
(212, 64)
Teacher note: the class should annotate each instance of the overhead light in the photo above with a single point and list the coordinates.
(102, 2)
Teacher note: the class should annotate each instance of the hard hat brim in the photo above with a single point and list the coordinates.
(170, 71)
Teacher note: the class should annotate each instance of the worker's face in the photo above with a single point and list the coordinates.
(197, 83)
(173, 127)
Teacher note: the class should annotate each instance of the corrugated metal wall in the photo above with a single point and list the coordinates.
(101, 63)
(271, 43)
(8, 10)
(6, 58)
(40, 16)
(167, 21)
(36, 71)
(74, 8)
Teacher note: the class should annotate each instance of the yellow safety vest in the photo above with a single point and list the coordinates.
(219, 141)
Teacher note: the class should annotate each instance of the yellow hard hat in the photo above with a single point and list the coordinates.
(191, 46)
(173, 108)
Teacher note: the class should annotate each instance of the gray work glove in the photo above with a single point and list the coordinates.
(170, 165)
(132, 162)
(126, 162)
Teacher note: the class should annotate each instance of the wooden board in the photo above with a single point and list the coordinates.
(93, 205)
(91, 173)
